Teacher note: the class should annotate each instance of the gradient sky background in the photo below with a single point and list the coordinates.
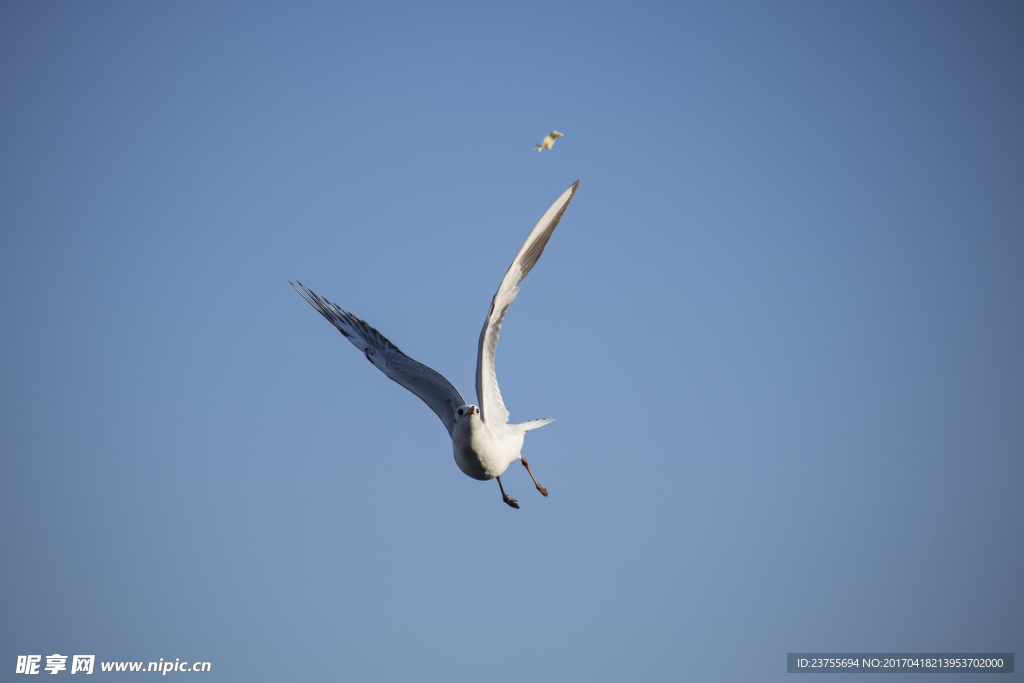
(781, 328)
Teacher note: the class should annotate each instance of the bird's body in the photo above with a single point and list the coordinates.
(484, 443)
(483, 452)
(548, 141)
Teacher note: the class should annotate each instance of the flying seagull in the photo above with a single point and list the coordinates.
(547, 142)
(483, 441)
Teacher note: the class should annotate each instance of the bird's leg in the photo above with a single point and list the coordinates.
(543, 491)
(511, 501)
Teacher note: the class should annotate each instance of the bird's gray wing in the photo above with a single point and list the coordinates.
(492, 408)
(432, 388)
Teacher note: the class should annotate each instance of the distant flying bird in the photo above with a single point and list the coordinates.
(483, 441)
(548, 141)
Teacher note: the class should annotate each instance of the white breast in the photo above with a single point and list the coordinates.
(482, 453)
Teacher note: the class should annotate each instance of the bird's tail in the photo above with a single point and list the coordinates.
(533, 424)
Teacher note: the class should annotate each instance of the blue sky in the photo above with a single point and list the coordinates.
(780, 328)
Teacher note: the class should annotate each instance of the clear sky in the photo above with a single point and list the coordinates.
(781, 327)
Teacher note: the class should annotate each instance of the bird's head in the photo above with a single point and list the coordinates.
(465, 412)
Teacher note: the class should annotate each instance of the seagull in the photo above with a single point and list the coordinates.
(547, 142)
(483, 441)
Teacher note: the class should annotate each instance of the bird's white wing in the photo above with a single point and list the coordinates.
(492, 408)
(436, 391)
